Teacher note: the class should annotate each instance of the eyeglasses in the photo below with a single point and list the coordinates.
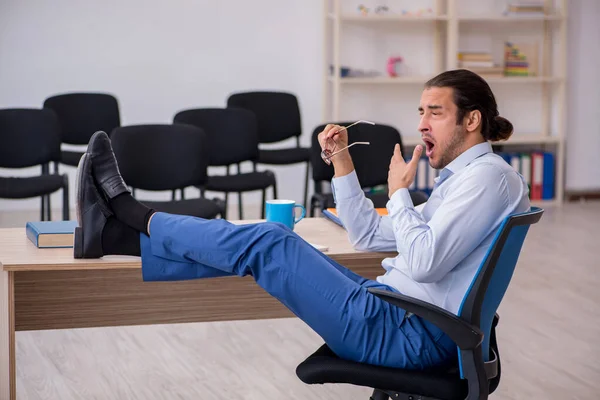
(327, 152)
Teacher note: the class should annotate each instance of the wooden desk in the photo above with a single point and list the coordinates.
(49, 289)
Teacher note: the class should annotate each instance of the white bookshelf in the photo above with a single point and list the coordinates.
(452, 26)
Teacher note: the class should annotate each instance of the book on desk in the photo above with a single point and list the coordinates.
(51, 234)
(331, 214)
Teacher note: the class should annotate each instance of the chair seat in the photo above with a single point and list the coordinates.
(284, 156)
(199, 207)
(70, 157)
(324, 366)
(34, 186)
(244, 182)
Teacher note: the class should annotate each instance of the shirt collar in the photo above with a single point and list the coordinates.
(464, 159)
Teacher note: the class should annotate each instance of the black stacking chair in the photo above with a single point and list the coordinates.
(166, 157)
(233, 140)
(80, 115)
(278, 117)
(371, 162)
(31, 137)
(476, 372)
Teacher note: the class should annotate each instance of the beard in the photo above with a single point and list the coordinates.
(452, 149)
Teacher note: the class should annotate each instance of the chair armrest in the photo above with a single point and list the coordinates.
(465, 335)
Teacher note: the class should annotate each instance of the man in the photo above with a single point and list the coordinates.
(439, 247)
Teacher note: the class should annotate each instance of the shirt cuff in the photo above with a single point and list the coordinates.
(346, 187)
(400, 199)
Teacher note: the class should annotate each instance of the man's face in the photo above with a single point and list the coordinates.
(443, 138)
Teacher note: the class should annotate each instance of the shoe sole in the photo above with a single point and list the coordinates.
(84, 164)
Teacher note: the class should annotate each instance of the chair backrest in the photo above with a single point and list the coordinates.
(491, 281)
(28, 137)
(277, 113)
(82, 114)
(161, 157)
(371, 162)
(231, 133)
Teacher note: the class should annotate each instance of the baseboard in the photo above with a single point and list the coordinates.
(579, 195)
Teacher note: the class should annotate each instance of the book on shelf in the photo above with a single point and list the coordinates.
(538, 170)
(49, 234)
(474, 56)
(521, 8)
(480, 63)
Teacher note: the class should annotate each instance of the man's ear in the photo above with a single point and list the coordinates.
(473, 120)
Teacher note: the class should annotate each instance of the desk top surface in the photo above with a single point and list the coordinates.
(17, 253)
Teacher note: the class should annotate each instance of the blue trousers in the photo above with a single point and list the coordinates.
(331, 299)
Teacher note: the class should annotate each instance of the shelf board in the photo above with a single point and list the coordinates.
(516, 139)
(509, 18)
(382, 80)
(522, 79)
(389, 17)
(378, 80)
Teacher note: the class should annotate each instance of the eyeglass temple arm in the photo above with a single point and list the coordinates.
(350, 145)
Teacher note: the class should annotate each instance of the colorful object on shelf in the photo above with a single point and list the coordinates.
(520, 59)
(363, 10)
(392, 66)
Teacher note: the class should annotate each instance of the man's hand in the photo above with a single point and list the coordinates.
(401, 174)
(333, 138)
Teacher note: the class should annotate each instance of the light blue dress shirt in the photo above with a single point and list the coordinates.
(441, 243)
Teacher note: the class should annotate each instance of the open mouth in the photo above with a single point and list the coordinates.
(429, 146)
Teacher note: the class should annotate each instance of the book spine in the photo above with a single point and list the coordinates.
(32, 234)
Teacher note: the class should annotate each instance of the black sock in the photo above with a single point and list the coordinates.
(132, 212)
(119, 238)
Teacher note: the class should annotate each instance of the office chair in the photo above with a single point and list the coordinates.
(166, 157)
(233, 139)
(476, 372)
(80, 115)
(31, 137)
(371, 163)
(278, 118)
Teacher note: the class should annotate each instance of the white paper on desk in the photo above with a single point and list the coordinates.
(319, 247)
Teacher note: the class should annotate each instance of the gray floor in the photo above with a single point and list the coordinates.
(548, 335)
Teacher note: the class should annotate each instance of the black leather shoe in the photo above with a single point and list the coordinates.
(92, 213)
(104, 166)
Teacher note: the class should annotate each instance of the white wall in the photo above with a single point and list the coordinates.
(159, 57)
(583, 96)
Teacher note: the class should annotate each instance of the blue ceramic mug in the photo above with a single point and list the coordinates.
(284, 211)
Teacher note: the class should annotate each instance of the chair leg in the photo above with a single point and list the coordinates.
(48, 208)
(45, 170)
(262, 205)
(66, 208)
(42, 208)
(306, 184)
(240, 211)
(275, 190)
